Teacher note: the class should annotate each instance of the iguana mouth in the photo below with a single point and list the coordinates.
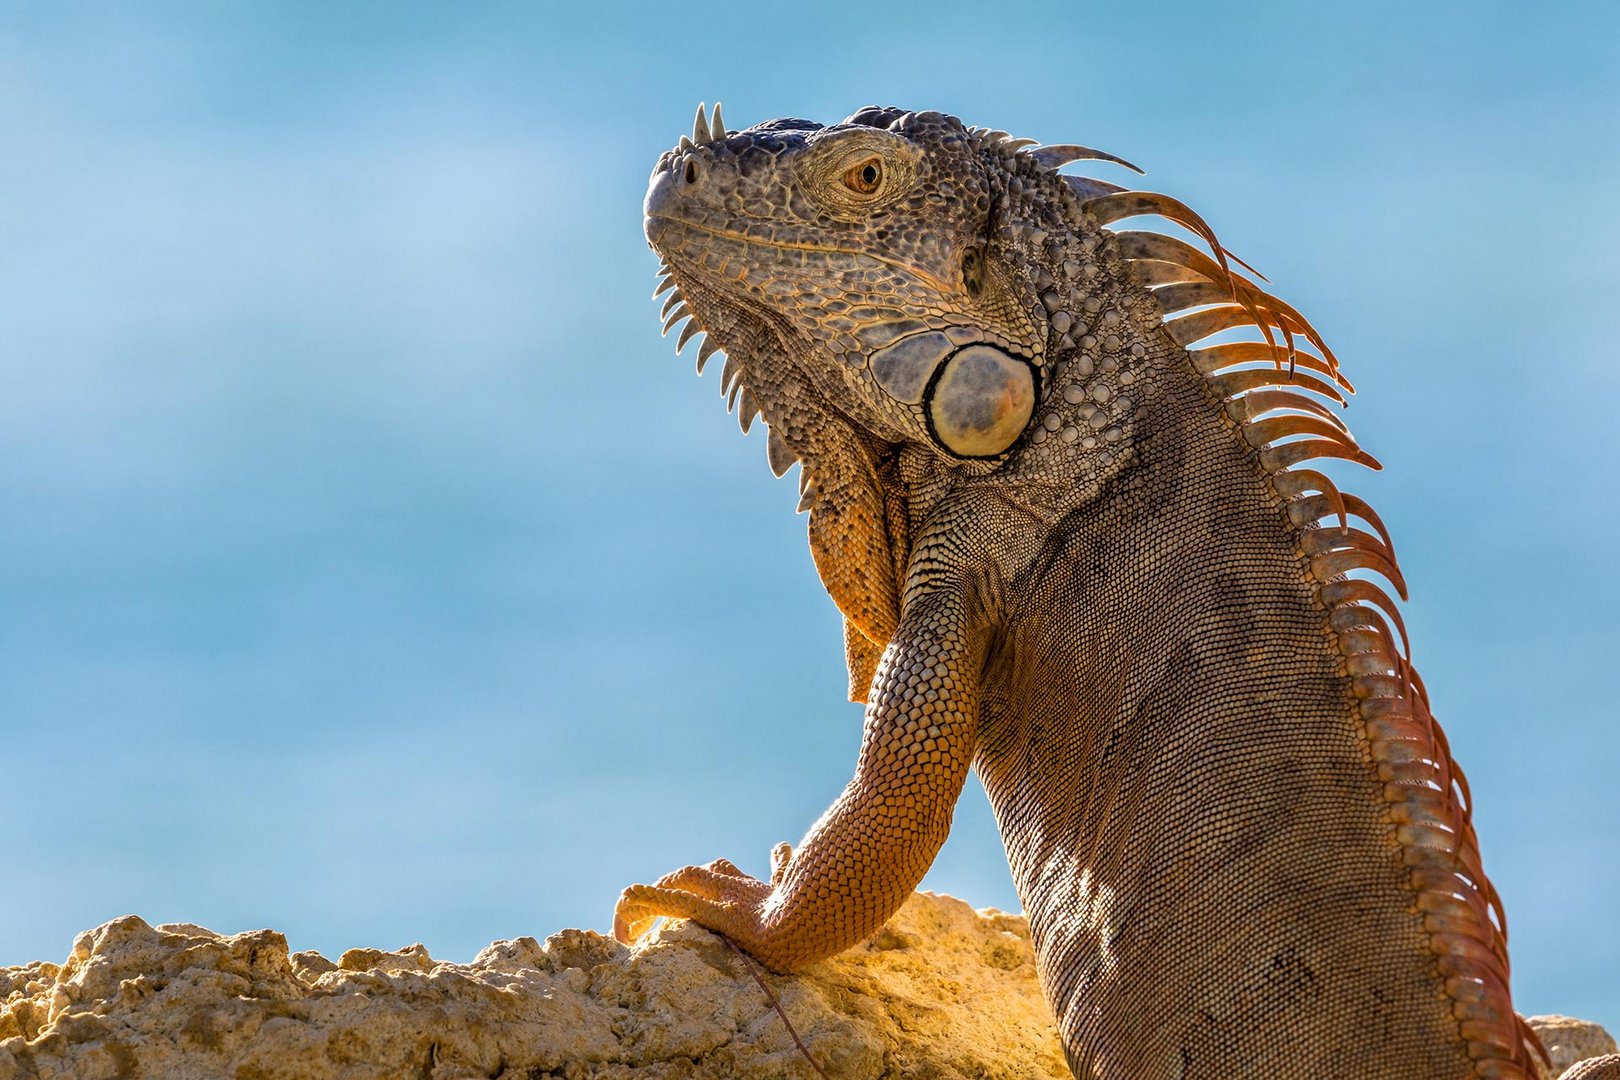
(749, 242)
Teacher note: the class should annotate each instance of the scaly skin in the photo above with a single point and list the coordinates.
(1084, 559)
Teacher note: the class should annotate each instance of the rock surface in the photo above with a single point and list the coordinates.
(941, 992)
(1569, 1040)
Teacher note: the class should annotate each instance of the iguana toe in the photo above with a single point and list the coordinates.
(718, 896)
(781, 855)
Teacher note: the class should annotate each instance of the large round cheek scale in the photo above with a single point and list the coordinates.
(981, 401)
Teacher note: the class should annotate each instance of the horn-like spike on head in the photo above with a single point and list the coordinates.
(1018, 144)
(700, 126)
(717, 126)
(684, 145)
(706, 350)
(1060, 154)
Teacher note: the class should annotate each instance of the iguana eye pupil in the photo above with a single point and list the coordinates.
(864, 177)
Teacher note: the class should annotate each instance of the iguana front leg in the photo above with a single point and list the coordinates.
(867, 853)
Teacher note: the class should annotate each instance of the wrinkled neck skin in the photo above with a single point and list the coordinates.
(1099, 366)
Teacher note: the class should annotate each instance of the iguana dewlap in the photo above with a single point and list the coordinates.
(1080, 546)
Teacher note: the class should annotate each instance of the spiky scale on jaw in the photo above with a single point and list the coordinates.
(779, 454)
(706, 350)
(689, 331)
(1237, 829)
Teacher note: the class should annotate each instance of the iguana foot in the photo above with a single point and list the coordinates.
(718, 896)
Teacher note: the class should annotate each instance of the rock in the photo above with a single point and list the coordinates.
(941, 992)
(1569, 1040)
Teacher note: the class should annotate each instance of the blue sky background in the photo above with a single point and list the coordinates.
(370, 569)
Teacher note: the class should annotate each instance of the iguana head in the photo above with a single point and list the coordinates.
(879, 286)
(861, 249)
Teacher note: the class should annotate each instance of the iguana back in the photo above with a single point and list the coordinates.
(1237, 893)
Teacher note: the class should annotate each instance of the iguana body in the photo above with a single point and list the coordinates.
(1096, 571)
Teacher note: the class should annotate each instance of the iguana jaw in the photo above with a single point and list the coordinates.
(659, 222)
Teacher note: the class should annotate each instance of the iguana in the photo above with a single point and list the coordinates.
(1085, 556)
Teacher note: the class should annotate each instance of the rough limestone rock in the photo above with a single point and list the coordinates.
(1569, 1040)
(942, 991)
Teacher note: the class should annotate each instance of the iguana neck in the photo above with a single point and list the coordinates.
(1108, 361)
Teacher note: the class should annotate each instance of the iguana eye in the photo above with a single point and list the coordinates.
(853, 174)
(863, 177)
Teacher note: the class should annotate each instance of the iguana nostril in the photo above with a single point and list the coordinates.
(690, 175)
